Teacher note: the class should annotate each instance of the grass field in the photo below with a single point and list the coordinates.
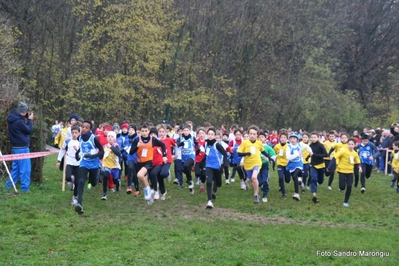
(42, 228)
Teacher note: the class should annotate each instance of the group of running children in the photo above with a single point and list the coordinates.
(146, 154)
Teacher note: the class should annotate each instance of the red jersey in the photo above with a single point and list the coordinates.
(169, 144)
(232, 143)
(201, 155)
(103, 139)
(274, 139)
(157, 156)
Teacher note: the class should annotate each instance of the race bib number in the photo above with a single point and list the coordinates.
(281, 153)
(396, 156)
(144, 153)
(207, 151)
(106, 154)
(351, 160)
(252, 150)
(185, 145)
(202, 148)
(127, 149)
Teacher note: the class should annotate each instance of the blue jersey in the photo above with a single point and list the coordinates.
(188, 149)
(127, 146)
(236, 159)
(213, 157)
(297, 162)
(89, 148)
(366, 151)
(121, 141)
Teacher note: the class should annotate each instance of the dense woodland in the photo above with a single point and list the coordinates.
(305, 63)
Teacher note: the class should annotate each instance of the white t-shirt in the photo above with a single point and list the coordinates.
(70, 152)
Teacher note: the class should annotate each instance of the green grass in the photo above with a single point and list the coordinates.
(42, 228)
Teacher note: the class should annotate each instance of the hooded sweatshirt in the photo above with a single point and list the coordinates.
(19, 130)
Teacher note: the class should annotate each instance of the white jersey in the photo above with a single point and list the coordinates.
(69, 151)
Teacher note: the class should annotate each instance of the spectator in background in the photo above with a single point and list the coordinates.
(395, 134)
(376, 140)
(377, 137)
(386, 139)
(20, 124)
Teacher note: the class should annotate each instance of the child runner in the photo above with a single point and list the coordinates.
(188, 145)
(347, 159)
(367, 152)
(342, 145)
(144, 146)
(328, 145)
(236, 160)
(68, 150)
(263, 177)
(274, 138)
(283, 173)
(73, 119)
(170, 143)
(317, 164)
(178, 164)
(157, 164)
(306, 162)
(125, 136)
(111, 163)
(131, 162)
(103, 141)
(91, 152)
(225, 145)
(121, 144)
(199, 156)
(395, 164)
(295, 164)
(62, 136)
(213, 163)
(250, 149)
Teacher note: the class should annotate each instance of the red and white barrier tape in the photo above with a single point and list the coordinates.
(12, 157)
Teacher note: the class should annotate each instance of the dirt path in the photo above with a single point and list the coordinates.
(200, 213)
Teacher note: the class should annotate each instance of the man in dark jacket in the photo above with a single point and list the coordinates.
(19, 129)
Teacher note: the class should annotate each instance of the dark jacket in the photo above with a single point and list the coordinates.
(385, 144)
(319, 152)
(18, 130)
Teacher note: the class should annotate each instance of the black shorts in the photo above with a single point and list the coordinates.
(146, 165)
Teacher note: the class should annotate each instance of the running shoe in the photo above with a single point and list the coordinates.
(296, 197)
(78, 208)
(209, 205)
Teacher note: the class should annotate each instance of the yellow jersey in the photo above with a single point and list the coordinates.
(346, 160)
(305, 154)
(281, 159)
(61, 137)
(328, 145)
(395, 159)
(110, 160)
(255, 148)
